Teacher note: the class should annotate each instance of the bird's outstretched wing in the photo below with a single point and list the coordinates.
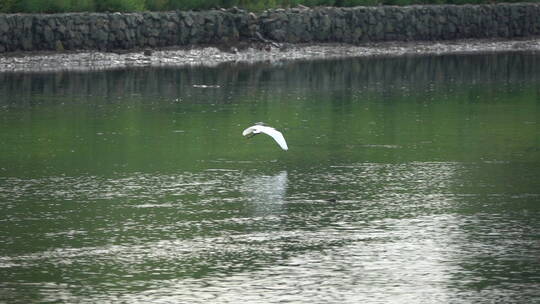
(275, 134)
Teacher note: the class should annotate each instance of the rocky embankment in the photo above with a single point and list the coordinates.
(86, 41)
(129, 31)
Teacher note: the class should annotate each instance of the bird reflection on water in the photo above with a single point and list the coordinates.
(266, 193)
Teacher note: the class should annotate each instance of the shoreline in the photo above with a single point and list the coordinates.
(214, 55)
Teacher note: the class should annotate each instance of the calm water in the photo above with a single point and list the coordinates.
(135, 186)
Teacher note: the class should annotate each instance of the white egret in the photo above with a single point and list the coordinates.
(275, 134)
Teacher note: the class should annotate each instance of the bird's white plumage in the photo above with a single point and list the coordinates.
(275, 134)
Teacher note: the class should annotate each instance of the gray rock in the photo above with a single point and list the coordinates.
(100, 35)
(48, 34)
(4, 26)
(27, 44)
(118, 24)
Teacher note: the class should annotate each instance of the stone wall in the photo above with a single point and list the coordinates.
(108, 31)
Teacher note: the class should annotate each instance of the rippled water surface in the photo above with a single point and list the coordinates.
(408, 180)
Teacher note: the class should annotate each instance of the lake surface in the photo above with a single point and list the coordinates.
(407, 180)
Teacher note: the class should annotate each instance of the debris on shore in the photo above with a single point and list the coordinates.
(252, 53)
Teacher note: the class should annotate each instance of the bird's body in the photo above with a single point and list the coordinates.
(275, 134)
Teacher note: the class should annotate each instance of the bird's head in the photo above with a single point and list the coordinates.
(249, 132)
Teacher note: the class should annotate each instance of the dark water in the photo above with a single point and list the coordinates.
(408, 180)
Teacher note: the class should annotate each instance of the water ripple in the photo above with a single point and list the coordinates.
(392, 233)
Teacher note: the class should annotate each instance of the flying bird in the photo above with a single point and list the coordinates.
(275, 134)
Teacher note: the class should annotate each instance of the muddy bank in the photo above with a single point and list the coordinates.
(212, 56)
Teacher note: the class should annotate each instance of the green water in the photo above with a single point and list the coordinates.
(407, 180)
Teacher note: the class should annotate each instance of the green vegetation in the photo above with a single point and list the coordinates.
(58, 6)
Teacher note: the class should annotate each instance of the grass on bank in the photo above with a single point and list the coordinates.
(60, 6)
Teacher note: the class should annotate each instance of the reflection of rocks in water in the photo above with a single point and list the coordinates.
(380, 75)
(266, 193)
